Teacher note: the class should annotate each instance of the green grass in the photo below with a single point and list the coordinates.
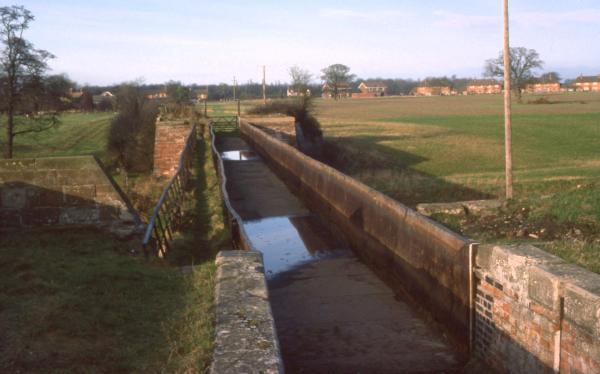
(77, 134)
(79, 302)
(439, 149)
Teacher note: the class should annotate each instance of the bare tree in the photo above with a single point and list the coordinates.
(550, 77)
(523, 63)
(20, 65)
(300, 79)
(335, 76)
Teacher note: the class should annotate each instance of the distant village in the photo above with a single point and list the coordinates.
(434, 87)
(360, 89)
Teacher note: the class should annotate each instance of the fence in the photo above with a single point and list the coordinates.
(167, 213)
(225, 124)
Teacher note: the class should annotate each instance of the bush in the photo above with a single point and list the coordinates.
(299, 108)
(131, 134)
(105, 105)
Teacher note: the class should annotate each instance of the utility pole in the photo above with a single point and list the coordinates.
(234, 85)
(206, 102)
(264, 86)
(507, 107)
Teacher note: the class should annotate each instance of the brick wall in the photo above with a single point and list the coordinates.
(535, 313)
(61, 191)
(168, 144)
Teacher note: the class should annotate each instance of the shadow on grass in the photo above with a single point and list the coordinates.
(203, 232)
(392, 171)
(76, 301)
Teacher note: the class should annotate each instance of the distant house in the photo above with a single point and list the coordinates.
(371, 89)
(483, 86)
(543, 87)
(292, 93)
(201, 95)
(107, 94)
(433, 91)
(157, 95)
(75, 94)
(343, 91)
(587, 84)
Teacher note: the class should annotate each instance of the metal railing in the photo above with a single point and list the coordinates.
(239, 238)
(167, 214)
(225, 124)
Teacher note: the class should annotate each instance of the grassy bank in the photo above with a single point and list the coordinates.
(81, 301)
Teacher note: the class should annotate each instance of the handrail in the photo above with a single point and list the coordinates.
(166, 216)
(239, 236)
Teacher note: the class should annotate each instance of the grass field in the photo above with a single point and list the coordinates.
(440, 149)
(77, 134)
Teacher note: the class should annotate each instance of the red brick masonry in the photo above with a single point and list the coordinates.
(535, 313)
(168, 144)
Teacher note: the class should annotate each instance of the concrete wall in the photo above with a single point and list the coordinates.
(169, 141)
(246, 340)
(61, 191)
(415, 254)
(535, 313)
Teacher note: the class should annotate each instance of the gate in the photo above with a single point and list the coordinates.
(226, 124)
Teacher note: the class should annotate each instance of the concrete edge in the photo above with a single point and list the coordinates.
(245, 336)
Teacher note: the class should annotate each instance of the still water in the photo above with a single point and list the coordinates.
(239, 155)
(289, 242)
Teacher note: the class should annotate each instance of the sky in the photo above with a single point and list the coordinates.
(197, 41)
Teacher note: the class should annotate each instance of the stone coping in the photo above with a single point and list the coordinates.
(245, 336)
(531, 274)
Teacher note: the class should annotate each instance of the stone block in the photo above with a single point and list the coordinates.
(49, 197)
(78, 177)
(17, 164)
(547, 282)
(85, 215)
(10, 218)
(40, 216)
(13, 197)
(79, 194)
(582, 303)
(65, 163)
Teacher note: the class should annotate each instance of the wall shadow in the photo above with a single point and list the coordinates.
(28, 206)
(392, 172)
(193, 245)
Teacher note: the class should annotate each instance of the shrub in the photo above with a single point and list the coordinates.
(300, 108)
(131, 134)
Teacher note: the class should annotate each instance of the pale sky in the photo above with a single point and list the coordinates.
(197, 41)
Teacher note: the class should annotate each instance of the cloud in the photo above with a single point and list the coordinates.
(366, 16)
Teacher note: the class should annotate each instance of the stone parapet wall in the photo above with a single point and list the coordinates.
(415, 254)
(169, 141)
(61, 192)
(246, 340)
(535, 313)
